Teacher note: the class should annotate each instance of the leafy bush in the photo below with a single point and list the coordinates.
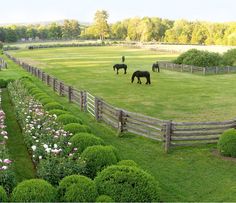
(46, 100)
(53, 169)
(227, 143)
(104, 198)
(7, 180)
(83, 140)
(199, 58)
(3, 83)
(76, 128)
(34, 190)
(97, 158)
(77, 188)
(127, 163)
(229, 57)
(35, 91)
(68, 118)
(3, 195)
(57, 112)
(53, 105)
(127, 184)
(40, 96)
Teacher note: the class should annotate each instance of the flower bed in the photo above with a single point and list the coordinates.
(7, 178)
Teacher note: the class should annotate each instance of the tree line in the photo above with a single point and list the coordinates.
(136, 29)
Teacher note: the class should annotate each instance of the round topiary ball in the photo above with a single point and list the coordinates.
(3, 194)
(98, 157)
(127, 163)
(83, 140)
(57, 112)
(76, 128)
(45, 100)
(68, 118)
(104, 198)
(53, 105)
(77, 188)
(227, 143)
(34, 190)
(127, 184)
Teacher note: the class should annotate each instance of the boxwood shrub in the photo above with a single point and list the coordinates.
(34, 190)
(3, 194)
(127, 184)
(104, 198)
(76, 128)
(227, 143)
(127, 163)
(98, 157)
(83, 140)
(77, 188)
(68, 118)
(58, 112)
(53, 105)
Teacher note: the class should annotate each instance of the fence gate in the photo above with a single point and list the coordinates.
(90, 104)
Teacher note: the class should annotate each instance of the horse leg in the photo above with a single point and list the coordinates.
(117, 71)
(125, 71)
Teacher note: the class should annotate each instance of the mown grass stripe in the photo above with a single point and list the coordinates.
(23, 165)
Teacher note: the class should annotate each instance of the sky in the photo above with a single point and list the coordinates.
(26, 11)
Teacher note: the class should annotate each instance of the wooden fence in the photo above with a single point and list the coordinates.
(196, 69)
(3, 64)
(171, 133)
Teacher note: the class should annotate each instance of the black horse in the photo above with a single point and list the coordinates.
(120, 66)
(155, 67)
(140, 74)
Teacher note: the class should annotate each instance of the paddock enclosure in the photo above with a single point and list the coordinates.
(195, 97)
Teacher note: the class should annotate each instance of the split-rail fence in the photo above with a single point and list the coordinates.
(171, 133)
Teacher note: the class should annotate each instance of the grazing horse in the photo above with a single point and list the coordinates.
(120, 66)
(140, 74)
(155, 66)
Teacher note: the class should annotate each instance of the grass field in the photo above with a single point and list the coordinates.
(185, 174)
(172, 95)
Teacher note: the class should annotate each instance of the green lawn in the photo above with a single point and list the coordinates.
(185, 174)
(172, 95)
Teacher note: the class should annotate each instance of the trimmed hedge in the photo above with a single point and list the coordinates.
(227, 143)
(76, 128)
(68, 118)
(127, 163)
(34, 190)
(97, 158)
(53, 105)
(3, 194)
(83, 140)
(127, 184)
(104, 198)
(58, 112)
(229, 57)
(77, 188)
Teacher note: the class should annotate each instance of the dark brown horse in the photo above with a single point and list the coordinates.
(140, 74)
(120, 66)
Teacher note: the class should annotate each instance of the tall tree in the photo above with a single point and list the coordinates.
(70, 29)
(101, 24)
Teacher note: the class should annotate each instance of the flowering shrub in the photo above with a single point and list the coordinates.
(7, 177)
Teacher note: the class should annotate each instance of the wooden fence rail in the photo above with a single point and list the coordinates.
(196, 69)
(171, 133)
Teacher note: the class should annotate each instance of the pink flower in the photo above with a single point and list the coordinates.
(7, 161)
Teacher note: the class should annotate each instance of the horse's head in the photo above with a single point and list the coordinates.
(114, 67)
(133, 76)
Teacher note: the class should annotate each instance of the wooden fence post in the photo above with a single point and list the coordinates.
(54, 84)
(204, 71)
(97, 109)
(42, 76)
(48, 78)
(81, 101)
(70, 93)
(191, 69)
(120, 121)
(60, 89)
(168, 136)
(85, 100)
